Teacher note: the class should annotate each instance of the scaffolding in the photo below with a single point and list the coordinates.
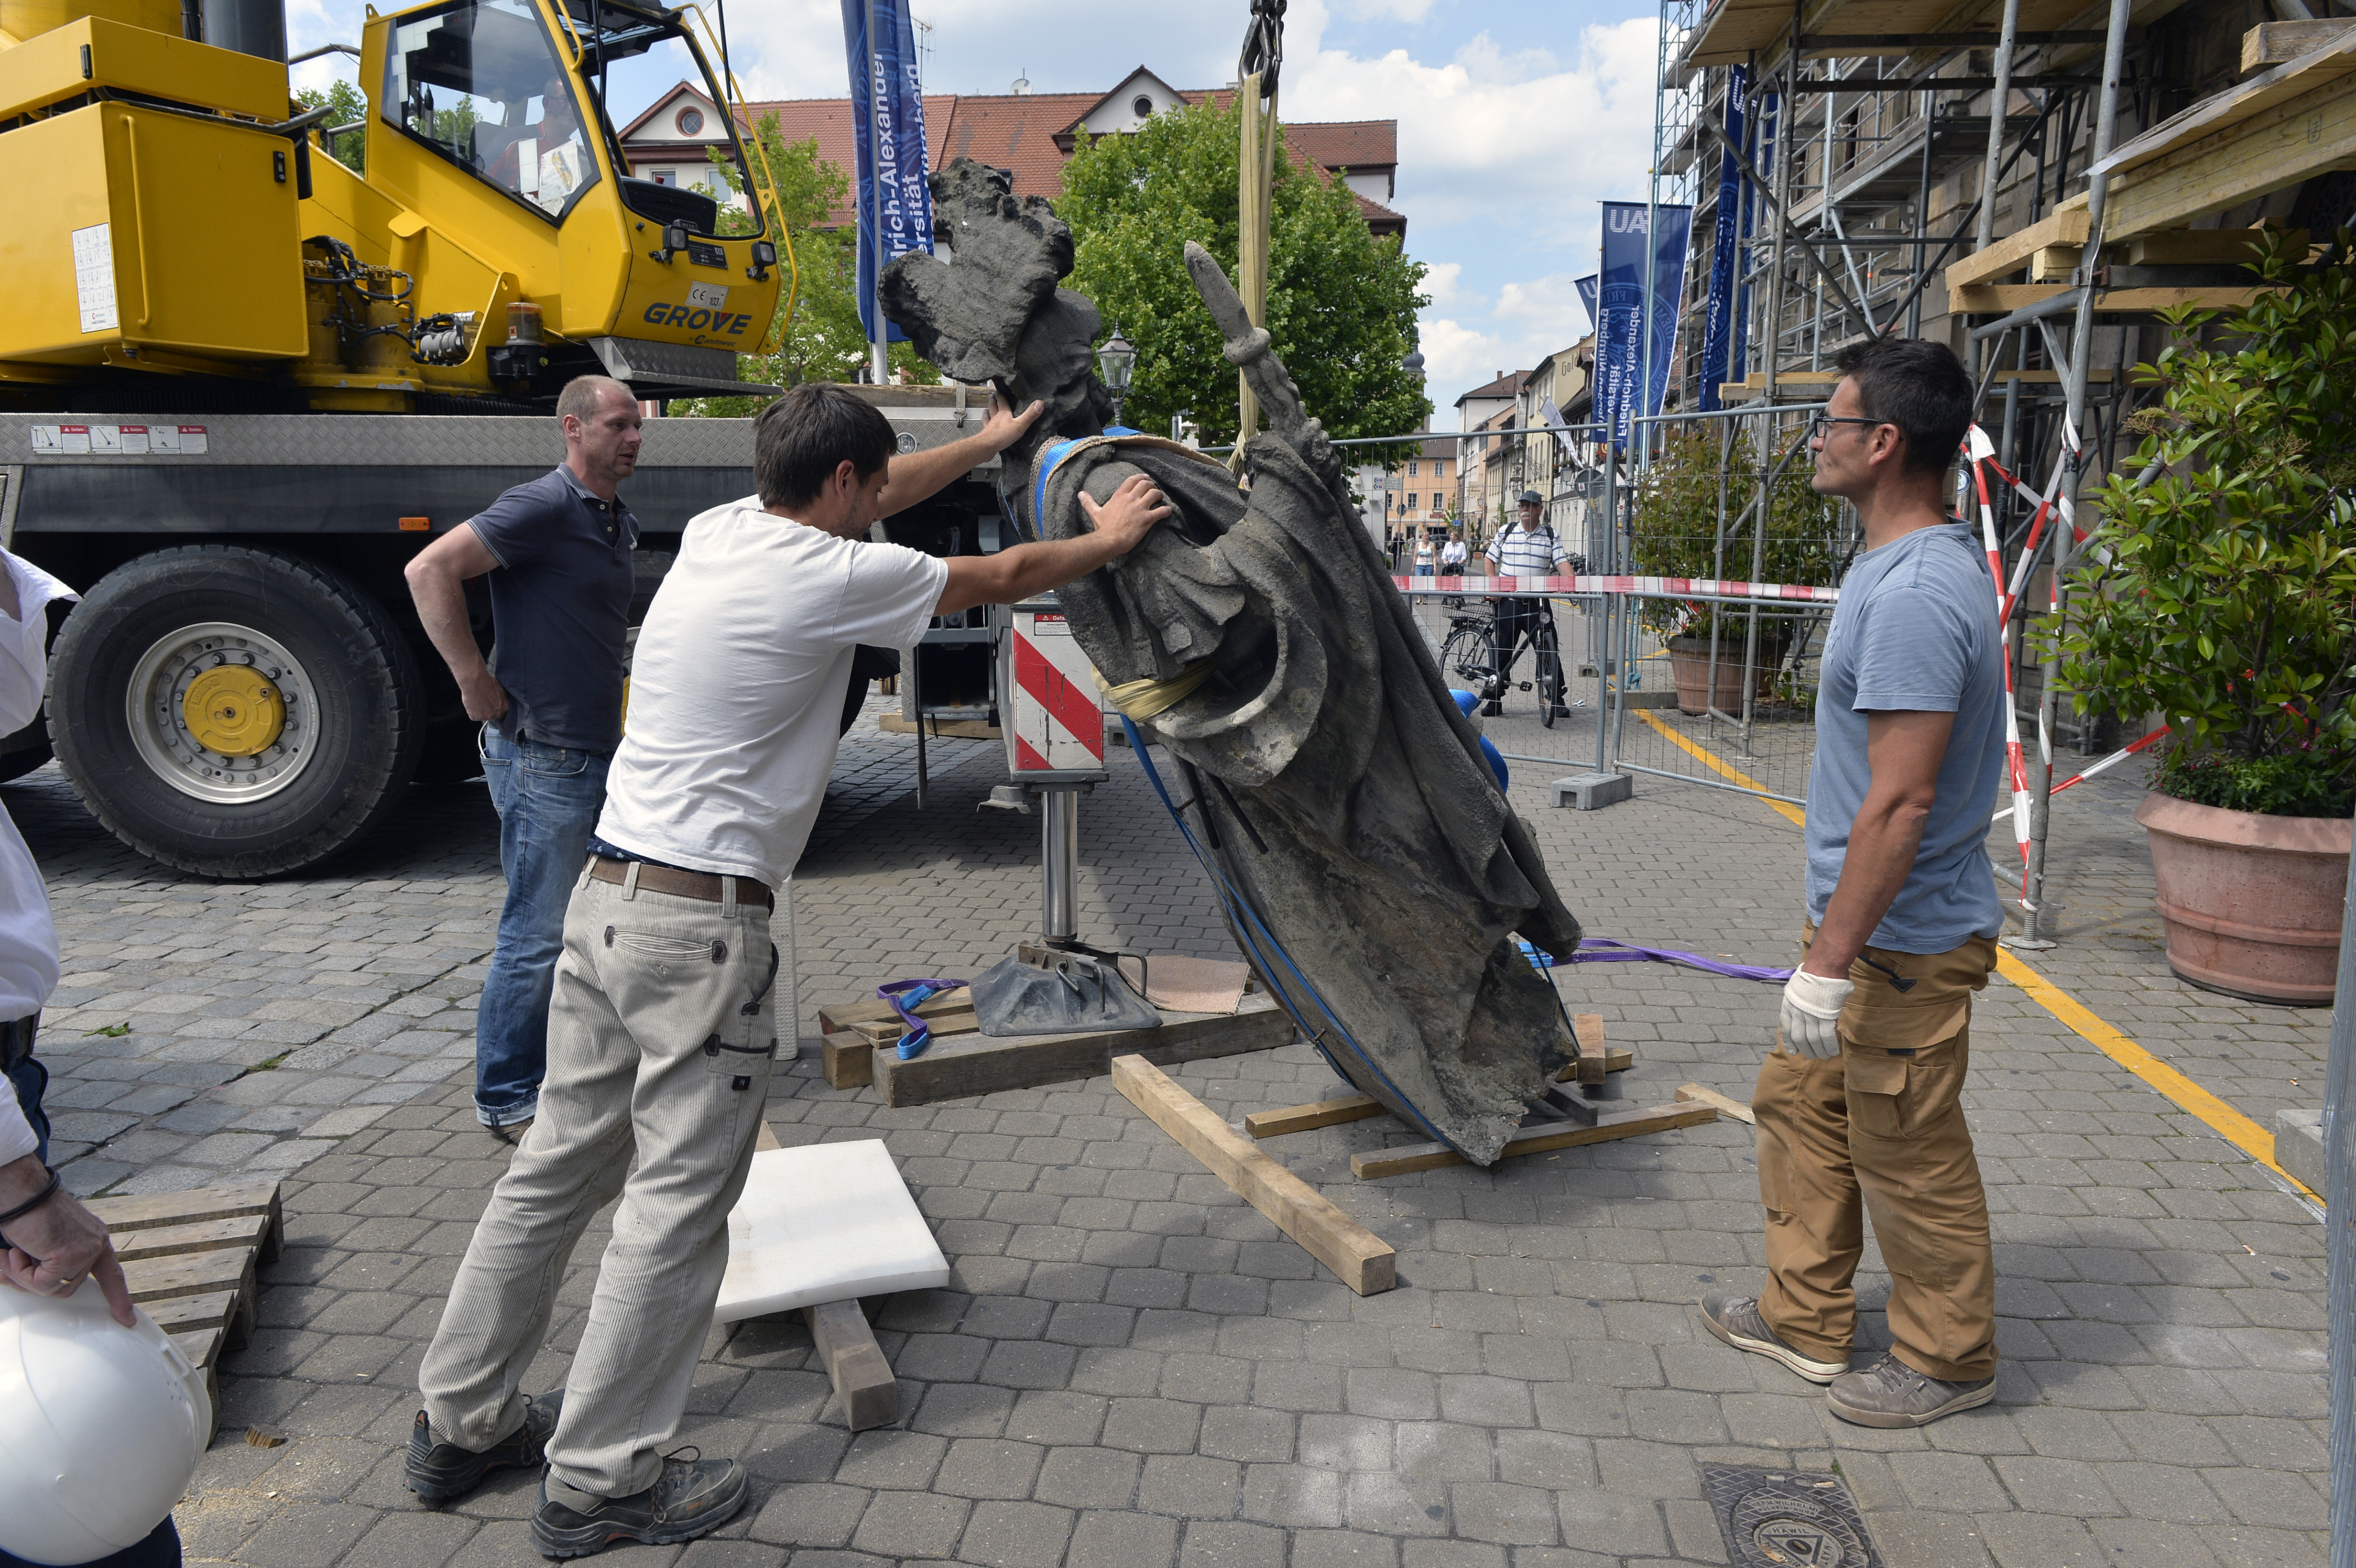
(2028, 180)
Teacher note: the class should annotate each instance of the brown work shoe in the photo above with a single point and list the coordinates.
(1736, 1319)
(1892, 1393)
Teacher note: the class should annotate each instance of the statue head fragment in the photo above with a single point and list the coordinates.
(994, 313)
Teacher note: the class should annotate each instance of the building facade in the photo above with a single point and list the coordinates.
(1031, 135)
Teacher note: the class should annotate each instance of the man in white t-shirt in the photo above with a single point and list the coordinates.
(674, 980)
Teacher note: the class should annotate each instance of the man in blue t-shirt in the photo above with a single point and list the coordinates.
(1858, 1107)
(557, 551)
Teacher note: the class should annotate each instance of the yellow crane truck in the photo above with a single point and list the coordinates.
(250, 363)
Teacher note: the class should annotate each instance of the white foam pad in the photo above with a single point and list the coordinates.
(825, 1223)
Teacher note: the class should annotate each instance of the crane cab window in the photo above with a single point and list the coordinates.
(482, 84)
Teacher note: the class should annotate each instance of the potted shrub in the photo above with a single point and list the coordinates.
(2227, 603)
(1673, 532)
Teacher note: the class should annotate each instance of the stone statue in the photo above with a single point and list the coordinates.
(1341, 793)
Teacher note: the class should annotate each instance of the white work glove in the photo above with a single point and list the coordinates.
(1812, 1004)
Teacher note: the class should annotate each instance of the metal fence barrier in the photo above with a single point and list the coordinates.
(1660, 665)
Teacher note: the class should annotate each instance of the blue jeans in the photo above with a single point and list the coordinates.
(548, 799)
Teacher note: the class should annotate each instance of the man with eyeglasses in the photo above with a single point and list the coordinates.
(1857, 1107)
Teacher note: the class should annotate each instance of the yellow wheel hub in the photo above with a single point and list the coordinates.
(234, 710)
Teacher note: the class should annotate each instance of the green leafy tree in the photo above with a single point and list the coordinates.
(346, 105)
(1341, 302)
(1674, 530)
(2222, 594)
(824, 341)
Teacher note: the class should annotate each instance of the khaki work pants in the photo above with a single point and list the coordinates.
(660, 1039)
(1883, 1123)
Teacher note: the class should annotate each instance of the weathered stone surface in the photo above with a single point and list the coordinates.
(1383, 875)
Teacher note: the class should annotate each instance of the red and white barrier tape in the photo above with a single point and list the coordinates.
(1648, 587)
(1978, 448)
(2105, 765)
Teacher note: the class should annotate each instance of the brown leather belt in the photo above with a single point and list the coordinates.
(679, 884)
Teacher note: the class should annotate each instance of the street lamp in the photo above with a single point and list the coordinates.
(1115, 360)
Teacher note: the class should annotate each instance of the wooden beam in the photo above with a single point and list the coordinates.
(864, 1385)
(964, 1065)
(849, 1060)
(1359, 1258)
(2211, 165)
(199, 1274)
(1586, 1029)
(2014, 251)
(2003, 299)
(2279, 43)
(1561, 1135)
(1726, 1103)
(1319, 1113)
(941, 728)
(1358, 1107)
(230, 1200)
(205, 1236)
(2206, 247)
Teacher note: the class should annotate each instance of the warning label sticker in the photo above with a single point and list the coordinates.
(116, 440)
(93, 262)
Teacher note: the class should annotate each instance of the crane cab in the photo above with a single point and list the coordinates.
(478, 235)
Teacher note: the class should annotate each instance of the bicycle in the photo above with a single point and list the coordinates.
(1471, 652)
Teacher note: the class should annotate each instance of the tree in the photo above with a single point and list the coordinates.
(1341, 302)
(824, 341)
(346, 105)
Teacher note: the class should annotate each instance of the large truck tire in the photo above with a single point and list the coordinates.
(233, 712)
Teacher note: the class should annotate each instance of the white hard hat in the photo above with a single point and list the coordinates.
(100, 1426)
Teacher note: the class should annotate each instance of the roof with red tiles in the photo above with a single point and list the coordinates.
(1028, 135)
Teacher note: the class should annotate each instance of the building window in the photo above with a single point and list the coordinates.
(1411, 500)
(1440, 468)
(690, 121)
(1142, 106)
(664, 177)
(1413, 468)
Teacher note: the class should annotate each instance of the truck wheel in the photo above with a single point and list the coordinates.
(234, 712)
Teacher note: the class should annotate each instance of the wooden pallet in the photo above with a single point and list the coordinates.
(192, 1260)
(1587, 1068)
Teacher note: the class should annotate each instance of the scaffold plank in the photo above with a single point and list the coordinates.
(2255, 157)
(2014, 251)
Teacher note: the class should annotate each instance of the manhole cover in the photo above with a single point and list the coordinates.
(1787, 1518)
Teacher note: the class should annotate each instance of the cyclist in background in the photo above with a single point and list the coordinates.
(1528, 547)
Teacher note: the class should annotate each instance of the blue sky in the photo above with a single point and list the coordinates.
(1515, 117)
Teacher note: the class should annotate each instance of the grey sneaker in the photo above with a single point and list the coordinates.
(1892, 1393)
(693, 1497)
(1735, 1320)
(439, 1471)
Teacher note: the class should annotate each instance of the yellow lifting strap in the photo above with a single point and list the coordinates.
(1254, 177)
(1141, 699)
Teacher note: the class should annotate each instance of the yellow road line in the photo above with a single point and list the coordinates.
(2221, 1118)
(2228, 1123)
(1736, 775)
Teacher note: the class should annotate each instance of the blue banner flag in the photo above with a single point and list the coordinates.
(1637, 252)
(887, 115)
(1760, 150)
(1726, 226)
(1586, 287)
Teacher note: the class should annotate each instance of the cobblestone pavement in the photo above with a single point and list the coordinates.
(1132, 1369)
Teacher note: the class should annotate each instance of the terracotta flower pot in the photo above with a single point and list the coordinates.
(1689, 667)
(2252, 903)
